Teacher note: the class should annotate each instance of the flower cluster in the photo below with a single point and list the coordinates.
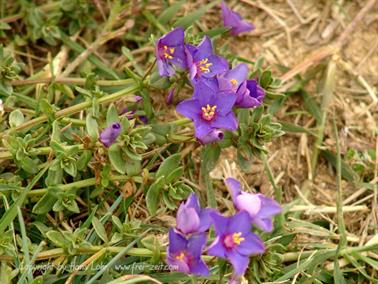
(217, 89)
(234, 239)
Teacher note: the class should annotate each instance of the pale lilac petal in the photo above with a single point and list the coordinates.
(193, 202)
(187, 220)
(248, 202)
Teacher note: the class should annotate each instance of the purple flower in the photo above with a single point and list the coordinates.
(185, 254)
(202, 62)
(170, 52)
(109, 135)
(191, 218)
(234, 21)
(260, 208)
(249, 95)
(214, 136)
(209, 109)
(234, 240)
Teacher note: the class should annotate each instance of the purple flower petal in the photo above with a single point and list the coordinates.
(224, 103)
(263, 224)
(205, 219)
(110, 134)
(174, 37)
(232, 79)
(234, 21)
(249, 95)
(234, 187)
(220, 222)
(196, 244)
(189, 108)
(187, 220)
(199, 267)
(193, 202)
(202, 129)
(269, 207)
(239, 262)
(217, 248)
(248, 202)
(214, 136)
(240, 222)
(177, 242)
(203, 50)
(252, 244)
(218, 65)
(228, 122)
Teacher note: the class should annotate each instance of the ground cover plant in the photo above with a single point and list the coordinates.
(188, 141)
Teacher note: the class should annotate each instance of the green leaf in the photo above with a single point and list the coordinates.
(16, 118)
(174, 175)
(84, 159)
(54, 176)
(100, 229)
(168, 165)
(209, 157)
(153, 195)
(115, 157)
(58, 239)
(91, 126)
(133, 167)
(112, 115)
(45, 204)
(213, 33)
(189, 19)
(170, 12)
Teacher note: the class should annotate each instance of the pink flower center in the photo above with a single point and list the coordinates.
(233, 240)
(203, 66)
(208, 112)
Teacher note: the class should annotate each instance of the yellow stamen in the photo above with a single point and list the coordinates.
(181, 256)
(236, 237)
(234, 82)
(208, 112)
(204, 66)
(168, 52)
